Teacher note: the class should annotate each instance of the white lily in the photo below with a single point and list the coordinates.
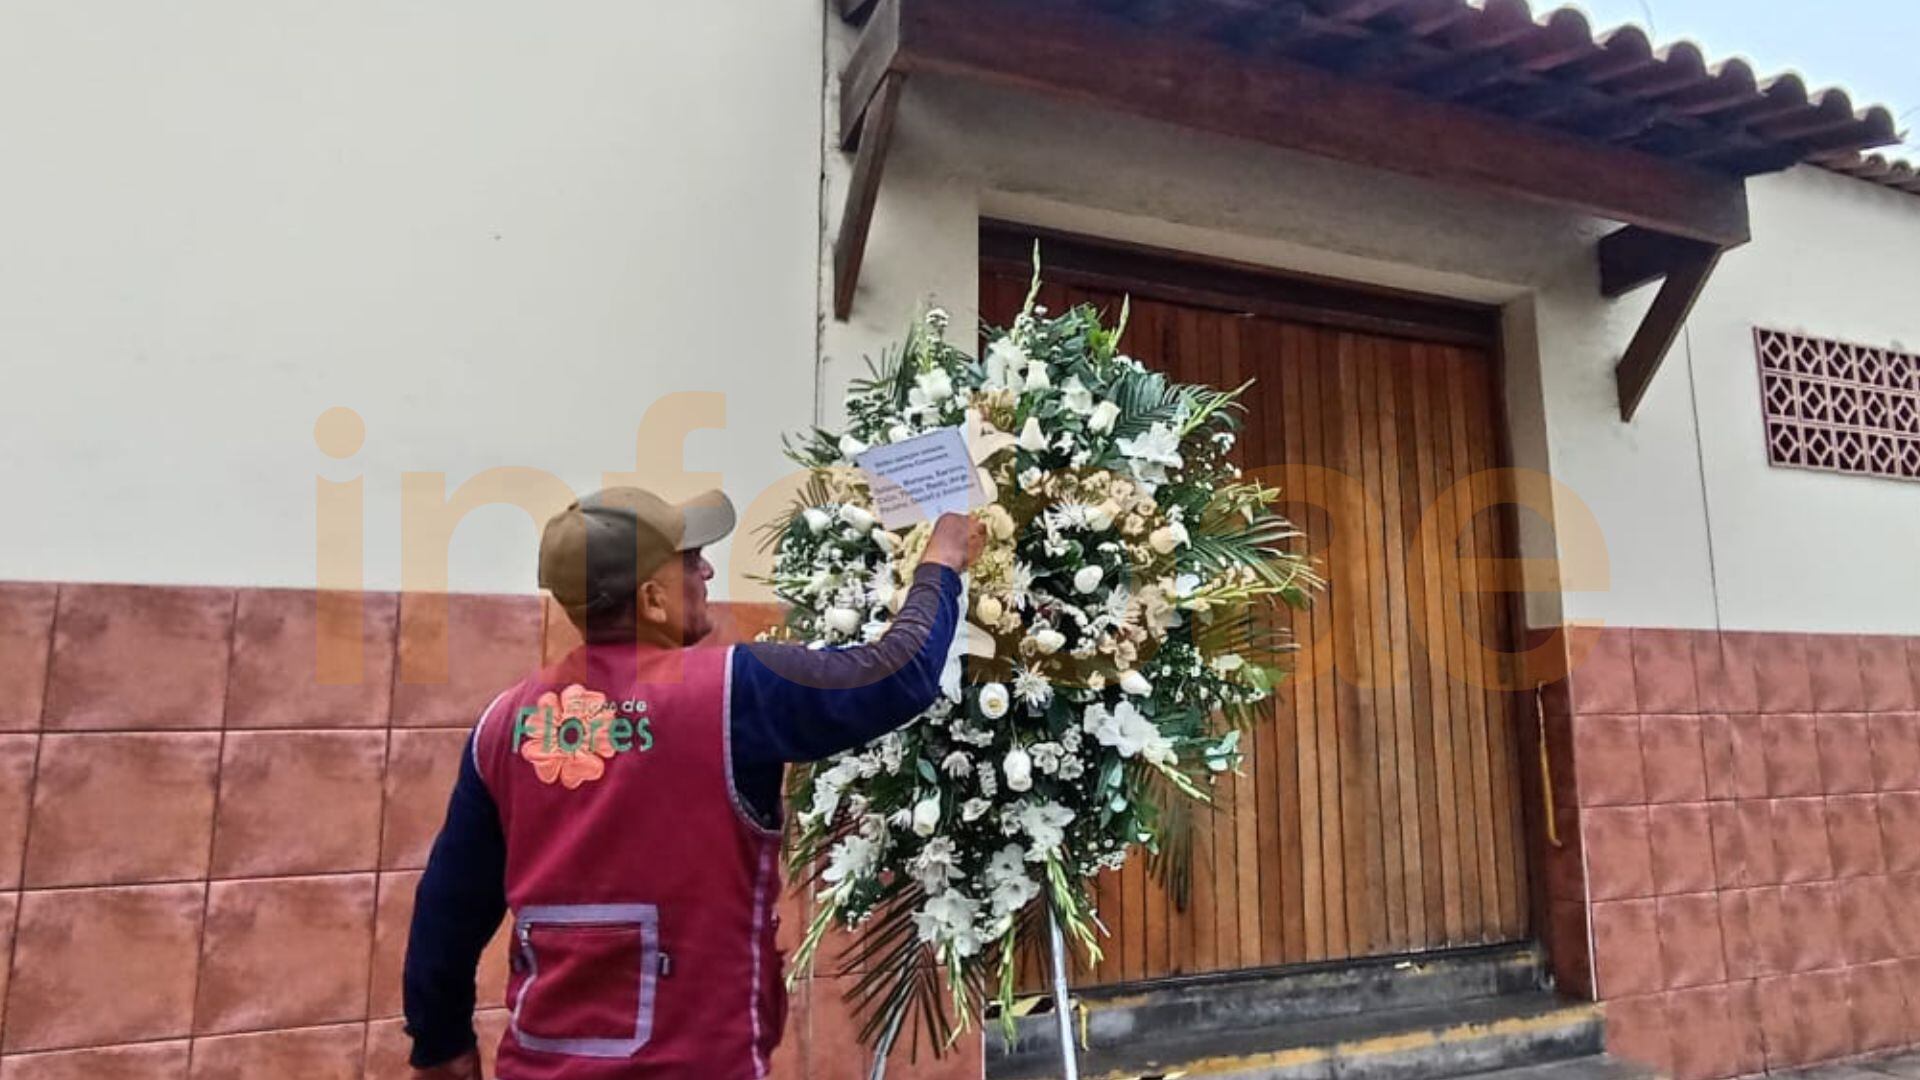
(1075, 396)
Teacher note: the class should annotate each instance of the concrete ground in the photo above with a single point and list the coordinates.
(1905, 1066)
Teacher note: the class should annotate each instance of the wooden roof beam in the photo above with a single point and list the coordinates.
(1057, 50)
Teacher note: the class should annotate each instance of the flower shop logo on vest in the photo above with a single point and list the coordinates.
(568, 737)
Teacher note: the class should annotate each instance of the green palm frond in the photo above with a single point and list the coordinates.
(1146, 398)
(815, 492)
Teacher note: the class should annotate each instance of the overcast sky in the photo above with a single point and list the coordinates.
(1871, 48)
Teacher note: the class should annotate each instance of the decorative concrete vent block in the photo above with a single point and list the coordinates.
(1838, 407)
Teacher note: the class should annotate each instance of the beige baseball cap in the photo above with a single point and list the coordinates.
(597, 551)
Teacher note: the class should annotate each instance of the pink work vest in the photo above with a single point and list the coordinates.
(642, 892)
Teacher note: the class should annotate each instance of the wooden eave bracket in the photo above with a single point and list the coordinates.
(1634, 257)
(863, 191)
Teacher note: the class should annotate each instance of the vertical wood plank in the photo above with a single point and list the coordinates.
(1419, 582)
(1303, 694)
(1368, 360)
(1391, 356)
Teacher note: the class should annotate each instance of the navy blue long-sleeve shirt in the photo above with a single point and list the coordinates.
(789, 704)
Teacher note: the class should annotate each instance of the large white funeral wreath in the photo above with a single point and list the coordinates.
(1120, 633)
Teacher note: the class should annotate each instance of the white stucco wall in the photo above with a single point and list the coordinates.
(1836, 258)
(498, 231)
(1694, 528)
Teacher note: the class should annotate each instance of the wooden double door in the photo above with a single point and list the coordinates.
(1379, 808)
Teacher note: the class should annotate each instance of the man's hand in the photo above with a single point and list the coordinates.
(957, 540)
(464, 1067)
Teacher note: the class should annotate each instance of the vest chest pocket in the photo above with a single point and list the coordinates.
(591, 972)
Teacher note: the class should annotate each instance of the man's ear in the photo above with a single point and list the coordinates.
(650, 603)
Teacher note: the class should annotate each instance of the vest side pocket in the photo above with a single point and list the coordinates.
(591, 973)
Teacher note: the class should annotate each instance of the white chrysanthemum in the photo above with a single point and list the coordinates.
(1032, 687)
(1020, 585)
(1046, 757)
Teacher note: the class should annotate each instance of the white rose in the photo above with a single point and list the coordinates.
(845, 620)
(1163, 540)
(1134, 683)
(1087, 580)
(1038, 379)
(1104, 414)
(1031, 437)
(856, 517)
(999, 522)
(1019, 770)
(817, 520)
(1048, 642)
(851, 447)
(994, 701)
(936, 384)
(926, 816)
(989, 609)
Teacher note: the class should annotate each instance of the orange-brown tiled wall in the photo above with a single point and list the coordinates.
(207, 858)
(1740, 818)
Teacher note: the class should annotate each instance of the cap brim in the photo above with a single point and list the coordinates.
(709, 517)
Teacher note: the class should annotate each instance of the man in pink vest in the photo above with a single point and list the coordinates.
(624, 804)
